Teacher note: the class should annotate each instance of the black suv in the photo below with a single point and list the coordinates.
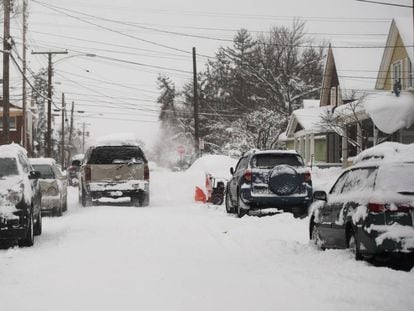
(20, 197)
(269, 179)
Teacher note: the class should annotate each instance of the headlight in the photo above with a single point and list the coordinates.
(52, 191)
(14, 197)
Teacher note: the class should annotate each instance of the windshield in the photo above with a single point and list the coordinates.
(396, 178)
(116, 155)
(45, 171)
(272, 160)
(8, 166)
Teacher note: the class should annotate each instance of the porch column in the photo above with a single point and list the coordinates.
(344, 147)
(312, 147)
(359, 138)
(301, 146)
(295, 143)
(307, 149)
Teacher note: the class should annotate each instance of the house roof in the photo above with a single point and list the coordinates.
(399, 26)
(309, 119)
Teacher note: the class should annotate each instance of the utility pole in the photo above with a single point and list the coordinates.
(6, 72)
(49, 99)
(71, 130)
(196, 123)
(24, 68)
(63, 131)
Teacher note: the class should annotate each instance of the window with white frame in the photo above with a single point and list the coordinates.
(12, 123)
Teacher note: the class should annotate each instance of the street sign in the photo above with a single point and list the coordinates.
(181, 149)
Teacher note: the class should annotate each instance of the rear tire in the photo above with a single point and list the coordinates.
(229, 207)
(38, 227)
(353, 245)
(29, 239)
(240, 211)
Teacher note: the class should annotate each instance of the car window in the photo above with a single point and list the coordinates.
(339, 184)
(242, 165)
(359, 180)
(116, 155)
(269, 160)
(45, 171)
(398, 178)
(8, 167)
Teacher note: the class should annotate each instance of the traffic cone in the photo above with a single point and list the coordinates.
(199, 195)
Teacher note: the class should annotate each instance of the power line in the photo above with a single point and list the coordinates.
(387, 3)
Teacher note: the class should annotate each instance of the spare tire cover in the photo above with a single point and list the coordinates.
(284, 180)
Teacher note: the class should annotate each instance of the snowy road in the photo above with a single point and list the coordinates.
(177, 255)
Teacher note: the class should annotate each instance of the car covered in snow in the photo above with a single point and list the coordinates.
(73, 169)
(269, 179)
(53, 185)
(20, 196)
(370, 208)
(115, 167)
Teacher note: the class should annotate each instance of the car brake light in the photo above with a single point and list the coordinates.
(88, 173)
(376, 208)
(307, 176)
(247, 176)
(146, 172)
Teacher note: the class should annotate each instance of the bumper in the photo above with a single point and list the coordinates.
(116, 190)
(13, 227)
(257, 201)
(50, 203)
(373, 242)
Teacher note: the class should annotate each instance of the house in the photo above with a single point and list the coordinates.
(361, 116)
(16, 126)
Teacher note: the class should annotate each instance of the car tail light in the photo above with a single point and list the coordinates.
(376, 207)
(307, 176)
(146, 172)
(247, 176)
(88, 174)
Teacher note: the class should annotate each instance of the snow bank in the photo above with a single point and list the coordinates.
(216, 165)
(389, 112)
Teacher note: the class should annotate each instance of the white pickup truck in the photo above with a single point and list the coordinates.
(114, 171)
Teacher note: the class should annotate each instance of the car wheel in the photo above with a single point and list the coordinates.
(353, 245)
(145, 200)
(29, 239)
(229, 206)
(315, 235)
(38, 227)
(240, 211)
(58, 211)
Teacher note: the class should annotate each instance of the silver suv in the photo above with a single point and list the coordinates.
(114, 171)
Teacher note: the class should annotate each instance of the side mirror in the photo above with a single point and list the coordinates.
(231, 170)
(320, 195)
(34, 175)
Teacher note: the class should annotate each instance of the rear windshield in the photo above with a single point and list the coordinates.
(45, 171)
(8, 166)
(76, 163)
(272, 160)
(396, 178)
(116, 155)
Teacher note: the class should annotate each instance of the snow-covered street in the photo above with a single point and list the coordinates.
(178, 255)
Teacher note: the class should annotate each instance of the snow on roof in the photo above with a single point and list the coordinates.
(120, 139)
(387, 151)
(11, 150)
(311, 118)
(405, 28)
(42, 161)
(311, 103)
(389, 112)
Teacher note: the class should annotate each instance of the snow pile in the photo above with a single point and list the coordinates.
(389, 112)
(216, 165)
(396, 232)
(120, 139)
(389, 151)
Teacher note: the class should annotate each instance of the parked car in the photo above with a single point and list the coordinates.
(73, 169)
(370, 209)
(53, 185)
(114, 170)
(20, 196)
(266, 179)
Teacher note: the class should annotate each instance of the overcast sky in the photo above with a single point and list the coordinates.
(98, 84)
